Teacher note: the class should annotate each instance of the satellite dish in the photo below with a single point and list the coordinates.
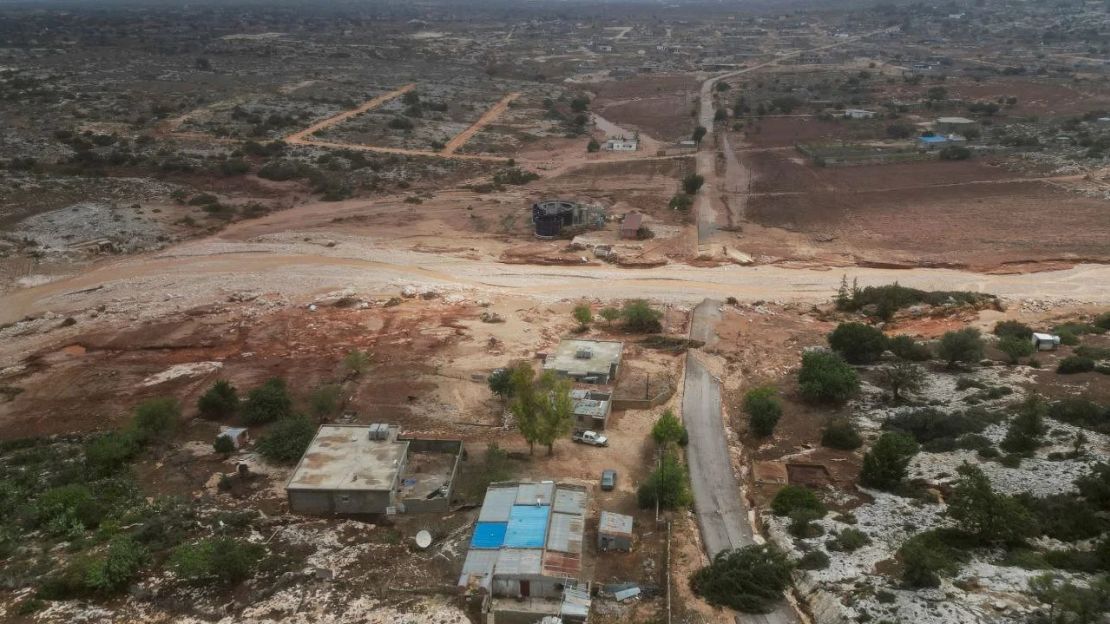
(423, 539)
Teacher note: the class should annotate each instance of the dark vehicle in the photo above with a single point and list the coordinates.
(608, 479)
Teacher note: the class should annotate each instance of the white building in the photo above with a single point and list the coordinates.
(858, 113)
(622, 145)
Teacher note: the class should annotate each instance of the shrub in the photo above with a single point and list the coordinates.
(583, 315)
(1013, 329)
(681, 201)
(1095, 353)
(1065, 517)
(884, 466)
(287, 440)
(963, 346)
(1027, 428)
(764, 410)
(813, 560)
(929, 423)
(801, 523)
(267, 403)
(926, 556)
(973, 442)
(400, 123)
(907, 348)
(155, 419)
(793, 497)
(1081, 413)
(220, 402)
(954, 152)
(666, 485)
(279, 170)
(120, 564)
(1016, 348)
(841, 434)
(357, 362)
(692, 183)
(986, 515)
(848, 540)
(640, 317)
(902, 376)
(60, 507)
(1075, 364)
(224, 445)
(514, 175)
(749, 579)
(216, 560)
(825, 377)
(324, 401)
(668, 430)
(1102, 321)
(501, 382)
(857, 343)
(108, 453)
(1095, 486)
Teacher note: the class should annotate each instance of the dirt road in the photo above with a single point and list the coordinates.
(487, 117)
(301, 136)
(718, 501)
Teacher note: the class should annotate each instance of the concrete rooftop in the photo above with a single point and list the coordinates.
(343, 457)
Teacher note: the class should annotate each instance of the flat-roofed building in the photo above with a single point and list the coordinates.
(586, 361)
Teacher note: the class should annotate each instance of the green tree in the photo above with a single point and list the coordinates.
(924, 557)
(667, 485)
(794, 497)
(884, 466)
(764, 410)
(640, 317)
(267, 403)
(610, 314)
(357, 362)
(840, 433)
(902, 376)
(220, 402)
(1015, 348)
(216, 560)
(699, 134)
(501, 382)
(1027, 428)
(692, 183)
(155, 419)
(826, 378)
(583, 315)
(936, 93)
(668, 430)
(1071, 604)
(108, 453)
(1095, 486)
(986, 515)
(224, 445)
(857, 343)
(556, 411)
(908, 349)
(750, 579)
(324, 401)
(1014, 329)
(113, 571)
(525, 405)
(593, 146)
(964, 346)
(287, 440)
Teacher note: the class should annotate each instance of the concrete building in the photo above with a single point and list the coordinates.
(614, 532)
(622, 145)
(630, 225)
(371, 469)
(954, 124)
(591, 408)
(586, 361)
(526, 551)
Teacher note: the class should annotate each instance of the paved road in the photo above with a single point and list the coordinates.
(722, 510)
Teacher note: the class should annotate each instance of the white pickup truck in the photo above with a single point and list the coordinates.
(592, 438)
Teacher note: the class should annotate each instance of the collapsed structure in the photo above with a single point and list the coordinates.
(371, 469)
(527, 547)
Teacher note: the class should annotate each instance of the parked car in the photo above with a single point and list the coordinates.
(592, 438)
(608, 479)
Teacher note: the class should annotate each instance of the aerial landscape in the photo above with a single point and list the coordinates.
(446, 312)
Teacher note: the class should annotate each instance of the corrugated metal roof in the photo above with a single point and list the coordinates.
(615, 524)
(570, 501)
(534, 493)
(497, 504)
(480, 562)
(565, 534)
(527, 526)
(559, 564)
(488, 535)
(518, 562)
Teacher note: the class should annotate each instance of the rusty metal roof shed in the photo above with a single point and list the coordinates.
(565, 533)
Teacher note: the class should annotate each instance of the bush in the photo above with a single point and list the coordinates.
(267, 403)
(749, 579)
(793, 497)
(857, 343)
(902, 377)
(220, 402)
(1075, 364)
(155, 419)
(841, 434)
(1013, 329)
(1102, 321)
(119, 565)
(848, 540)
(813, 560)
(985, 515)
(216, 560)
(764, 410)
(884, 466)
(400, 123)
(825, 377)
(1027, 428)
(1095, 486)
(640, 317)
(1065, 517)
(908, 349)
(929, 423)
(681, 201)
(108, 453)
(287, 440)
(926, 556)
(954, 152)
(801, 523)
(224, 445)
(963, 346)
(279, 170)
(667, 484)
(668, 430)
(1081, 413)
(583, 315)
(514, 175)
(1016, 348)
(324, 401)
(692, 183)
(501, 383)
(59, 508)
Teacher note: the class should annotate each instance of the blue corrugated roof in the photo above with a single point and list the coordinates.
(488, 535)
(527, 526)
(932, 139)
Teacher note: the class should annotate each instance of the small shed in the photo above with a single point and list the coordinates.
(239, 436)
(858, 113)
(630, 225)
(1045, 342)
(614, 532)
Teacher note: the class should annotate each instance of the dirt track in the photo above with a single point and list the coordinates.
(493, 113)
(298, 138)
